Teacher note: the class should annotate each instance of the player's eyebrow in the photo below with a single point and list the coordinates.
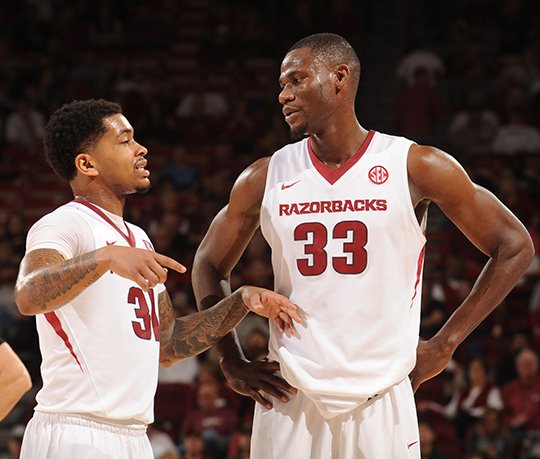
(124, 131)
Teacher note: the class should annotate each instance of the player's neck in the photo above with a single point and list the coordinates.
(333, 149)
(113, 205)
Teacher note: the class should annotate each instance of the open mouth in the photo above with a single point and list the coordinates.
(141, 167)
(289, 113)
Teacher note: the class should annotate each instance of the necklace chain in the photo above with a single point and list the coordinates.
(338, 164)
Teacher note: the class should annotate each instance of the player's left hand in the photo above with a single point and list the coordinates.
(272, 305)
(431, 359)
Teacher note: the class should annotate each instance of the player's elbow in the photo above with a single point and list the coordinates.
(166, 355)
(520, 247)
(24, 304)
(24, 381)
(526, 248)
(167, 361)
(15, 381)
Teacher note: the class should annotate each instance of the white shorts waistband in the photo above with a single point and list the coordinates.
(132, 430)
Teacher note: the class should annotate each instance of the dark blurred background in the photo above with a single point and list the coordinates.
(198, 81)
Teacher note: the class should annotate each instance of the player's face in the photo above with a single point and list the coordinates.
(119, 159)
(307, 93)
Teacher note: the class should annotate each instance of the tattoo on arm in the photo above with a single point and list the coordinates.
(194, 333)
(166, 324)
(53, 281)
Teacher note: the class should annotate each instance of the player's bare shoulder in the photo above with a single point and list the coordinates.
(248, 190)
(254, 174)
(431, 171)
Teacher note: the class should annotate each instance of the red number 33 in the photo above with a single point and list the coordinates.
(317, 236)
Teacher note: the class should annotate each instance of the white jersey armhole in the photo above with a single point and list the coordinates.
(422, 225)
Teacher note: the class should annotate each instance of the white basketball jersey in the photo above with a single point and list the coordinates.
(348, 250)
(100, 351)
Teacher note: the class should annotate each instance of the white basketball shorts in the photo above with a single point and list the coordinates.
(384, 427)
(61, 436)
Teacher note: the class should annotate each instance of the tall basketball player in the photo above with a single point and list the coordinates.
(344, 211)
(96, 287)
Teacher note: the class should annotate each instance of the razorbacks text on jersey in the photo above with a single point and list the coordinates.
(101, 350)
(348, 250)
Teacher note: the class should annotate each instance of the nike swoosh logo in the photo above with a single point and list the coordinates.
(284, 187)
(110, 243)
(411, 444)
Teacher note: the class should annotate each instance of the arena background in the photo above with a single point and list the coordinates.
(198, 81)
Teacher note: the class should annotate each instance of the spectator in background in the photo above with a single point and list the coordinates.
(241, 127)
(434, 313)
(468, 405)
(239, 446)
(428, 447)
(14, 231)
(162, 445)
(473, 128)
(201, 101)
(517, 136)
(506, 367)
(419, 108)
(14, 442)
(25, 126)
(489, 437)
(412, 62)
(521, 396)
(181, 169)
(215, 421)
(193, 446)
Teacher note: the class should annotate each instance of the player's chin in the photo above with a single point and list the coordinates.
(144, 188)
(297, 132)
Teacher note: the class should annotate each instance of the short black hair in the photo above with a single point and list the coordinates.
(332, 49)
(72, 128)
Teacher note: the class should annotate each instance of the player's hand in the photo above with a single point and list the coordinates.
(145, 267)
(272, 305)
(256, 378)
(431, 359)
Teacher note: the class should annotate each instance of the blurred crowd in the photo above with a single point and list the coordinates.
(198, 81)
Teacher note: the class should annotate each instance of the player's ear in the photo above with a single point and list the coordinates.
(85, 165)
(341, 74)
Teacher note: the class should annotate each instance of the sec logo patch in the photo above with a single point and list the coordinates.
(378, 175)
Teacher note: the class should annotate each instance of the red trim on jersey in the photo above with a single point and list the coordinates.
(130, 238)
(53, 319)
(418, 273)
(333, 175)
(154, 317)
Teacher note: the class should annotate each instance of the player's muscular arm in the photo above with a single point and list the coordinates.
(47, 281)
(220, 250)
(435, 176)
(225, 242)
(192, 334)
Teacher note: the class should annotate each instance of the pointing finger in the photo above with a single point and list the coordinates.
(167, 262)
